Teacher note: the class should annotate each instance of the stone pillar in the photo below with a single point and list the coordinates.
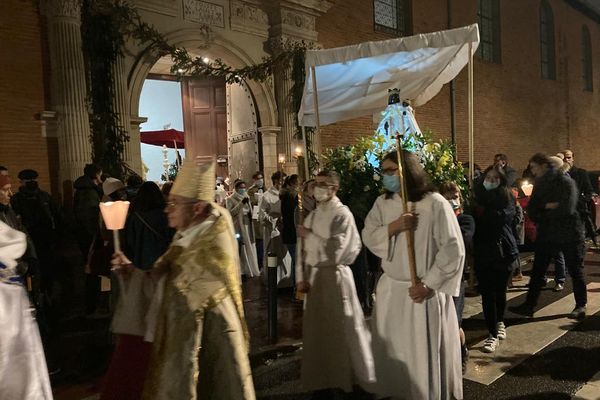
(286, 114)
(67, 71)
(291, 21)
(269, 151)
(132, 152)
(135, 144)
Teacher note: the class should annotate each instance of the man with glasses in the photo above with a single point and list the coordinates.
(337, 344)
(200, 347)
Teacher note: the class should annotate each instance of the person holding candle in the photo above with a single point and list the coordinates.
(196, 320)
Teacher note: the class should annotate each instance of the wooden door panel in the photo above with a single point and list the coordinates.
(204, 118)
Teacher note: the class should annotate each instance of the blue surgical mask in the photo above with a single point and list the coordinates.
(490, 185)
(241, 192)
(391, 183)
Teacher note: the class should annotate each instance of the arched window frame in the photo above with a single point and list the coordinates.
(488, 18)
(587, 69)
(547, 44)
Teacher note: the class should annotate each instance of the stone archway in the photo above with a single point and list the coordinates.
(219, 48)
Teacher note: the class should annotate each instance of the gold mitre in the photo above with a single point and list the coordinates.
(196, 179)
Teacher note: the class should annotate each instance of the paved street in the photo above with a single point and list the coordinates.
(545, 357)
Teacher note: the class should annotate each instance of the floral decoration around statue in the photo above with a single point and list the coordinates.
(358, 166)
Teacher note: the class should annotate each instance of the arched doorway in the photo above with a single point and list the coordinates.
(235, 113)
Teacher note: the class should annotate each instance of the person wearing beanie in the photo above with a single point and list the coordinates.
(113, 190)
(201, 299)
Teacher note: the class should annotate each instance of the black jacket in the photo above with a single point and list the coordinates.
(289, 202)
(86, 205)
(560, 225)
(147, 237)
(494, 241)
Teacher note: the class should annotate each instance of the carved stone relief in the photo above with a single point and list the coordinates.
(249, 19)
(63, 8)
(204, 12)
(166, 7)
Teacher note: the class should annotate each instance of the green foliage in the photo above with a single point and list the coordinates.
(102, 44)
(360, 180)
(360, 183)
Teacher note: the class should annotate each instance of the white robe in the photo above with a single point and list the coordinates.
(337, 342)
(417, 346)
(242, 220)
(269, 215)
(23, 371)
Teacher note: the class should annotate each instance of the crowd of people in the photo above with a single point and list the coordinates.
(178, 314)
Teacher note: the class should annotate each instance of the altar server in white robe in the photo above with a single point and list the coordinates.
(269, 215)
(416, 342)
(240, 208)
(336, 340)
(23, 371)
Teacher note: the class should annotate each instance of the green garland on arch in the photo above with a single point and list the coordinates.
(106, 26)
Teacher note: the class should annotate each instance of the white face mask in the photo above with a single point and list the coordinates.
(455, 203)
(321, 194)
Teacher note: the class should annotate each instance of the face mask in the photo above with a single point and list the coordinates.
(455, 203)
(260, 183)
(241, 192)
(391, 183)
(490, 185)
(321, 194)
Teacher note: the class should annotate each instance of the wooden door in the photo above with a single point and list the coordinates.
(205, 120)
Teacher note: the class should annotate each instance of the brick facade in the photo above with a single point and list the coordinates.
(516, 111)
(23, 94)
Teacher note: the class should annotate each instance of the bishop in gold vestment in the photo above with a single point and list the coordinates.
(200, 348)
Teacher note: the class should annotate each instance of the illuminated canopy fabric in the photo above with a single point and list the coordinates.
(353, 81)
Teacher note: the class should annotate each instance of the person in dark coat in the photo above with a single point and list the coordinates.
(39, 215)
(495, 249)
(553, 207)
(451, 192)
(501, 160)
(289, 201)
(585, 193)
(86, 206)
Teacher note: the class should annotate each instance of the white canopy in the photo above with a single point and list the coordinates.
(353, 81)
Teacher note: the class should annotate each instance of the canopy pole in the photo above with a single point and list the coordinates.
(410, 234)
(471, 283)
(305, 149)
(318, 119)
(470, 97)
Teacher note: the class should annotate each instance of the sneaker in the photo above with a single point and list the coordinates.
(518, 277)
(559, 287)
(522, 309)
(501, 331)
(490, 344)
(578, 313)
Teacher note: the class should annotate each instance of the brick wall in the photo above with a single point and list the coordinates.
(516, 111)
(22, 92)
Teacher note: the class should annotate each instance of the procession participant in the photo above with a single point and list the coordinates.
(451, 192)
(200, 343)
(255, 193)
(553, 207)
(336, 339)
(23, 370)
(240, 208)
(415, 334)
(269, 215)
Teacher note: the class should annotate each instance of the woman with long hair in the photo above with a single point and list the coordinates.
(416, 344)
(495, 249)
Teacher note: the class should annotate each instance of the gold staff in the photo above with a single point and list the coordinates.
(300, 257)
(410, 234)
